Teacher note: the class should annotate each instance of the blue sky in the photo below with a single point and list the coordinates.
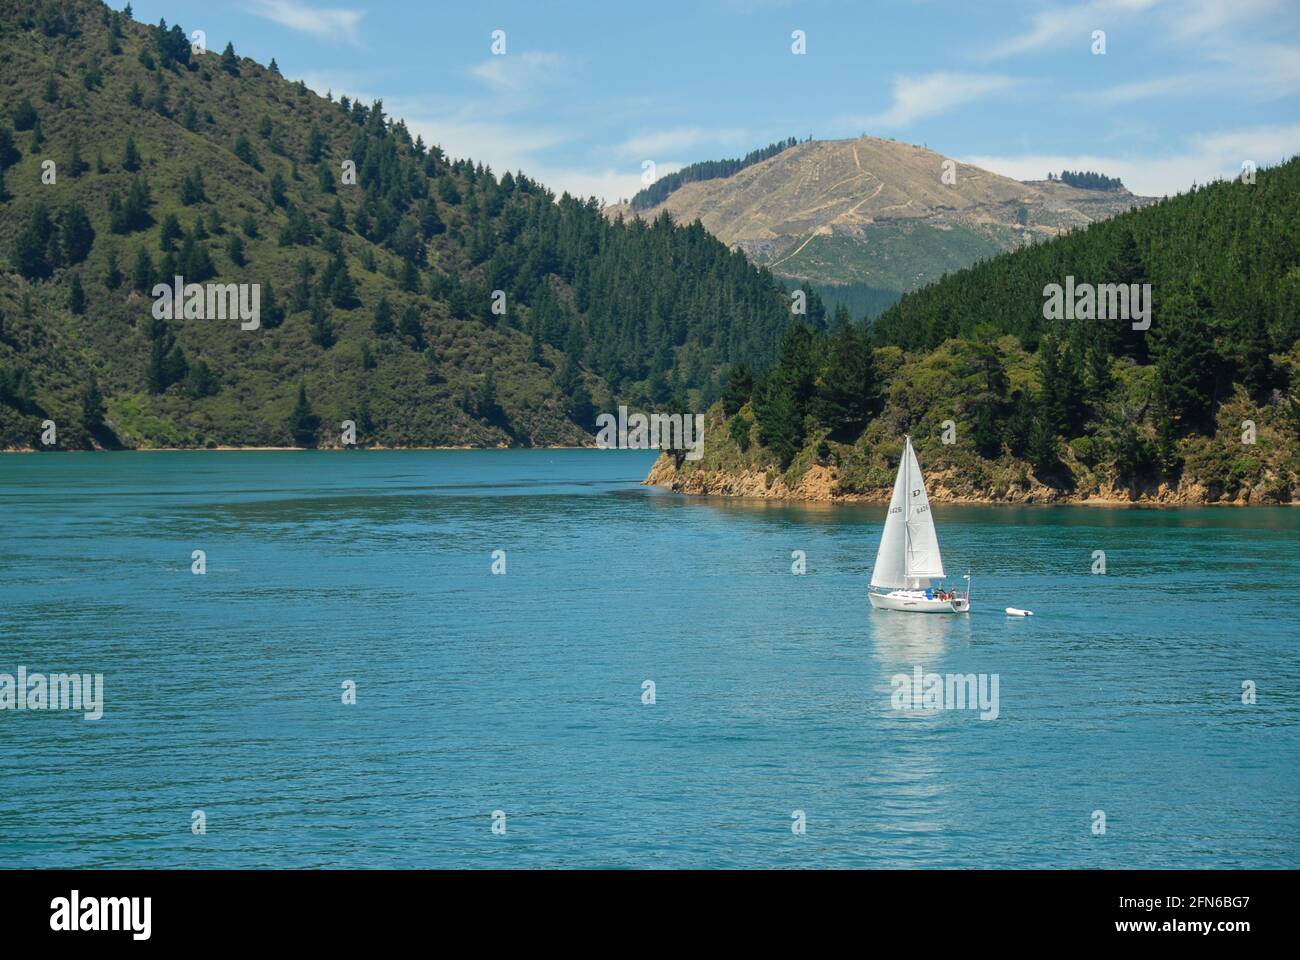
(586, 91)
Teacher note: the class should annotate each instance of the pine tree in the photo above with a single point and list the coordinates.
(383, 322)
(169, 232)
(1042, 449)
(235, 250)
(229, 61)
(24, 115)
(740, 387)
(93, 408)
(1187, 364)
(9, 154)
(337, 218)
(986, 436)
(272, 312)
(78, 235)
(486, 405)
(130, 156)
(315, 145)
(343, 292)
(322, 331)
(411, 328)
(142, 271)
(112, 272)
(780, 425)
(76, 295)
(849, 394)
(245, 152)
(1256, 366)
(76, 165)
(31, 256)
(304, 425)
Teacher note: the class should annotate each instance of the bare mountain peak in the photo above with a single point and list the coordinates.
(883, 212)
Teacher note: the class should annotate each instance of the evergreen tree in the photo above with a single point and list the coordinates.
(9, 154)
(245, 152)
(1042, 450)
(1256, 366)
(780, 425)
(142, 271)
(486, 405)
(322, 331)
(24, 115)
(93, 408)
(78, 235)
(315, 145)
(272, 312)
(304, 424)
(112, 272)
(343, 292)
(411, 328)
(383, 322)
(1188, 364)
(337, 218)
(130, 156)
(31, 248)
(235, 250)
(76, 165)
(986, 436)
(230, 62)
(849, 394)
(170, 232)
(76, 295)
(192, 188)
(740, 387)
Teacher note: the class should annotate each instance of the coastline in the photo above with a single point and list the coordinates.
(262, 449)
(818, 485)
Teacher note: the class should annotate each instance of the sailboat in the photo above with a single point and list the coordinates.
(908, 558)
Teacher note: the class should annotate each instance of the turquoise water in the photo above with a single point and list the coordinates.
(522, 693)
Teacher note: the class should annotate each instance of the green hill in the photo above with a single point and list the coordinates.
(376, 296)
(1007, 404)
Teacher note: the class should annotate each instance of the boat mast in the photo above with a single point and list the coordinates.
(907, 511)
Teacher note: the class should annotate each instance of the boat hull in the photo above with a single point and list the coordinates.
(915, 601)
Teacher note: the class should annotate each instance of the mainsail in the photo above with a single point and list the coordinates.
(909, 549)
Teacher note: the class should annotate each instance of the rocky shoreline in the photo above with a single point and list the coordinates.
(818, 485)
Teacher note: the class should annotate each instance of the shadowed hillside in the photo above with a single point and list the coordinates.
(428, 300)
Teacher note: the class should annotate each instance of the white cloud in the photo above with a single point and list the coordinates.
(514, 72)
(928, 94)
(1195, 18)
(322, 23)
(656, 143)
(1055, 26)
(1183, 84)
(1205, 157)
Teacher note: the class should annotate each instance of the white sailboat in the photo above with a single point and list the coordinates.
(908, 558)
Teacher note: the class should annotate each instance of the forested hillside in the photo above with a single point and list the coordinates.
(127, 158)
(1005, 404)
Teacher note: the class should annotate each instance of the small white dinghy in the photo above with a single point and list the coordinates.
(1017, 612)
(908, 558)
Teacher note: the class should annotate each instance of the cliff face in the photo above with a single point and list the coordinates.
(821, 483)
